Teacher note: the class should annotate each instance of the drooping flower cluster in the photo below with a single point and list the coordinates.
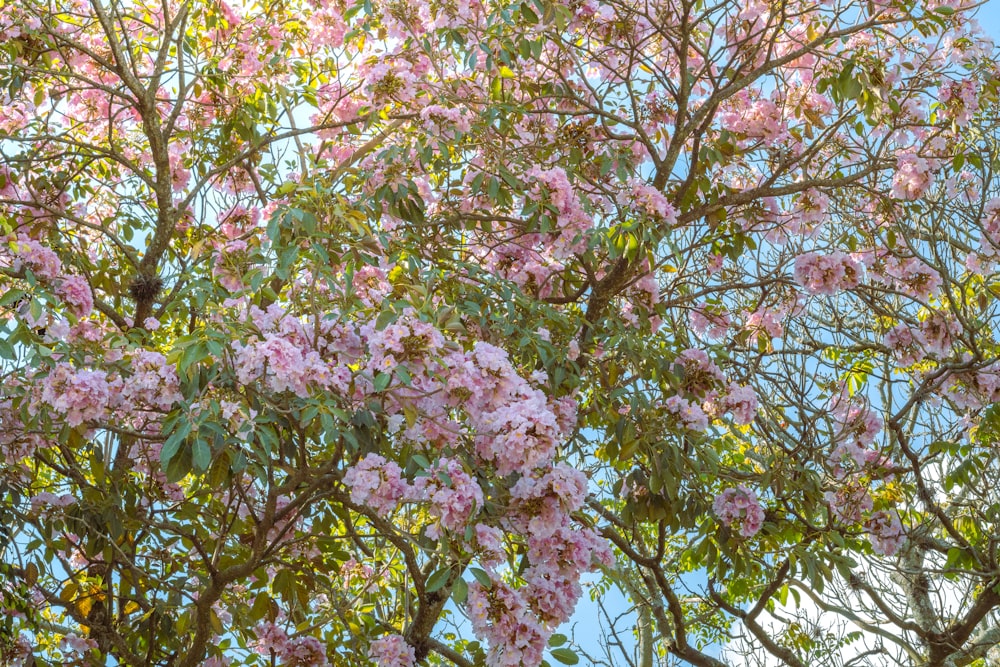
(391, 651)
(377, 483)
(303, 651)
(739, 509)
(517, 622)
(827, 273)
(454, 496)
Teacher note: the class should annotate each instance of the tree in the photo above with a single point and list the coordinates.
(329, 324)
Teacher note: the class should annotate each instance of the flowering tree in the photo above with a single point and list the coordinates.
(344, 333)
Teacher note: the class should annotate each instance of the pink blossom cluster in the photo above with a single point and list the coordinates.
(392, 651)
(652, 202)
(407, 340)
(911, 276)
(42, 261)
(933, 337)
(518, 622)
(709, 320)
(282, 364)
(377, 483)
(855, 422)
(766, 322)
(989, 242)
(811, 210)
(739, 509)
(974, 389)
(914, 176)
(698, 374)
(445, 122)
(686, 414)
(501, 615)
(79, 395)
(371, 284)
(75, 292)
(850, 501)
(288, 356)
(304, 651)
(454, 496)
(552, 186)
(754, 119)
(960, 100)
(705, 393)
(827, 274)
(885, 532)
(152, 383)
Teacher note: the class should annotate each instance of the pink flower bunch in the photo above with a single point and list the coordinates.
(553, 186)
(741, 401)
(408, 340)
(371, 284)
(754, 119)
(501, 615)
(518, 436)
(885, 532)
(906, 343)
(77, 644)
(960, 100)
(392, 651)
(303, 651)
(446, 122)
(739, 509)
(827, 274)
(933, 338)
(377, 483)
(687, 414)
(855, 422)
(42, 261)
(78, 395)
(913, 277)
(652, 202)
(811, 208)
(914, 176)
(153, 382)
(285, 364)
(976, 389)
(711, 321)
(849, 502)
(765, 322)
(699, 375)
(75, 293)
(851, 455)
(455, 497)
(990, 240)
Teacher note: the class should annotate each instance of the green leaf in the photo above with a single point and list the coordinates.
(382, 381)
(437, 580)
(565, 656)
(481, 577)
(557, 639)
(201, 455)
(460, 591)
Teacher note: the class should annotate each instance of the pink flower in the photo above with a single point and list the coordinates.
(75, 292)
(392, 651)
(739, 508)
(742, 402)
(687, 414)
(885, 532)
(827, 274)
(454, 497)
(80, 395)
(913, 177)
(377, 483)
